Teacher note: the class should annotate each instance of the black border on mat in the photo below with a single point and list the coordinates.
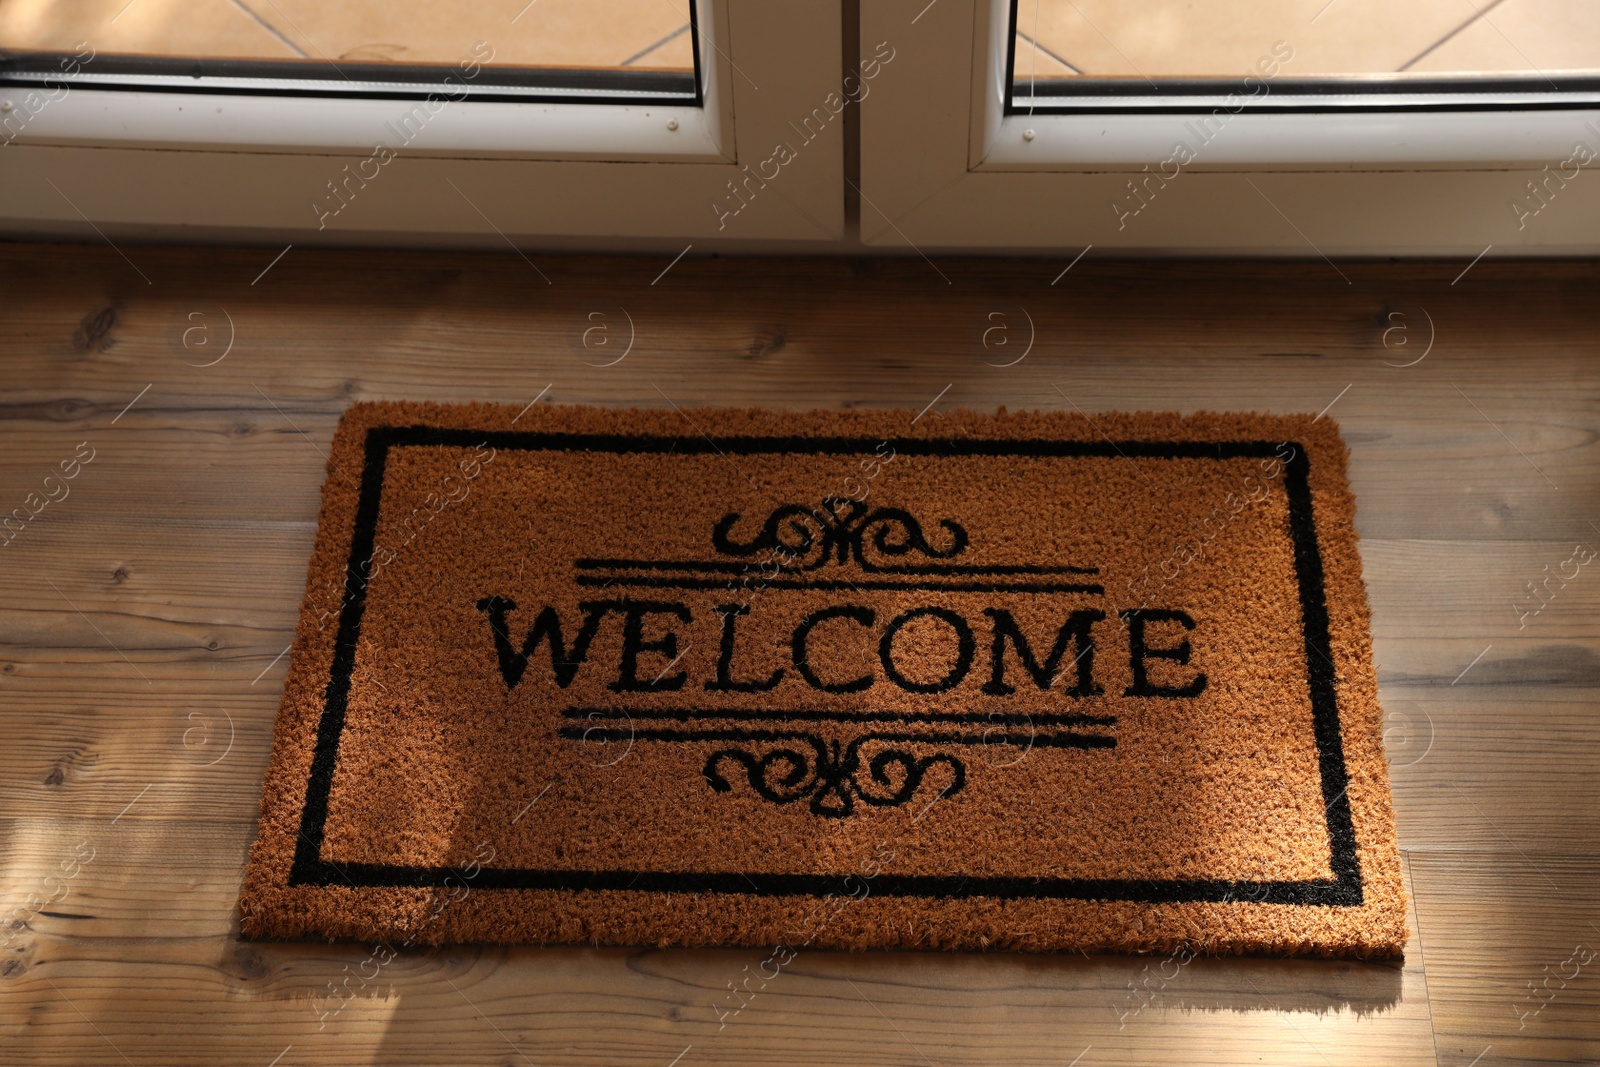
(1345, 889)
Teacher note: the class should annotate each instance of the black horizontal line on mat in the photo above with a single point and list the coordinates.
(604, 733)
(755, 883)
(623, 444)
(846, 585)
(1345, 890)
(725, 566)
(998, 718)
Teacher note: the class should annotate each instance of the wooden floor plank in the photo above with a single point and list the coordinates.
(1522, 756)
(1512, 939)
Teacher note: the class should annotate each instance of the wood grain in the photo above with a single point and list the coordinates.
(142, 617)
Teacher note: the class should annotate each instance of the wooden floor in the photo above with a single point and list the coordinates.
(144, 617)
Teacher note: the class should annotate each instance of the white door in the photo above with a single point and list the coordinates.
(1305, 127)
(423, 122)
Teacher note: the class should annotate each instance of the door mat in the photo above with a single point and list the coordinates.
(857, 680)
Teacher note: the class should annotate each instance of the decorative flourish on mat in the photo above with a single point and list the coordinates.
(830, 774)
(838, 532)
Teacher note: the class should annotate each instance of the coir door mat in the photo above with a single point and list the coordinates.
(857, 680)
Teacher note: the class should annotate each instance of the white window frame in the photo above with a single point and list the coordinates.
(210, 165)
(944, 168)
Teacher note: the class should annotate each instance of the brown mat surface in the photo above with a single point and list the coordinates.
(860, 680)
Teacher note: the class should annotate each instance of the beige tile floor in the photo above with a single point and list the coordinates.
(1177, 38)
(1056, 38)
(644, 34)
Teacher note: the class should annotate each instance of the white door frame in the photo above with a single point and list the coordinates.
(474, 174)
(944, 168)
